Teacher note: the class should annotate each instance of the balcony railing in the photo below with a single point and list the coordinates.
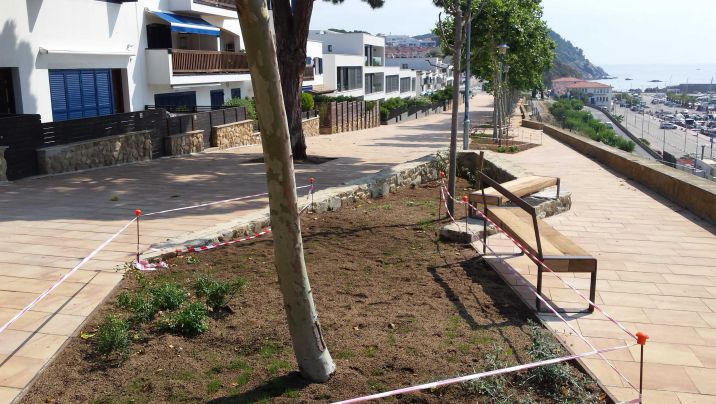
(227, 4)
(308, 73)
(198, 61)
(373, 61)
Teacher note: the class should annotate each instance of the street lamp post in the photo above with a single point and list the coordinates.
(507, 112)
(501, 51)
(663, 147)
(466, 121)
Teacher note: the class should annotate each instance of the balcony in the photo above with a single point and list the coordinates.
(308, 73)
(187, 67)
(197, 61)
(224, 8)
(374, 61)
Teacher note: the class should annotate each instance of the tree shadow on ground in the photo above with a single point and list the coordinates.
(268, 390)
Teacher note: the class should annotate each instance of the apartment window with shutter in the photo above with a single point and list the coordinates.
(348, 78)
(391, 84)
(405, 84)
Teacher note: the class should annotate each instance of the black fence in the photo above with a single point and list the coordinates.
(22, 134)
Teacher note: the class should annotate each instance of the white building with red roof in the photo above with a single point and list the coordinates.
(559, 86)
(597, 94)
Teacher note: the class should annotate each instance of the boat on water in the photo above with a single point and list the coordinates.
(655, 81)
(628, 79)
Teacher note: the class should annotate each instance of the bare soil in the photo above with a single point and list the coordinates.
(397, 307)
(480, 143)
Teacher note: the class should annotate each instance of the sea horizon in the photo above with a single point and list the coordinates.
(641, 75)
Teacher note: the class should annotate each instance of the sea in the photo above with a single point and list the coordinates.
(668, 74)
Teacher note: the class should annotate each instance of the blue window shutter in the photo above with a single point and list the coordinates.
(58, 97)
(74, 94)
(89, 93)
(105, 102)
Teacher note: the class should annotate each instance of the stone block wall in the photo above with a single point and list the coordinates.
(3, 165)
(107, 151)
(311, 126)
(233, 134)
(184, 143)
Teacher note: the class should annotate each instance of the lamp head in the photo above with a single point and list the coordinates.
(502, 48)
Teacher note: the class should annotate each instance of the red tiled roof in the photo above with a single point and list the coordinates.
(566, 79)
(588, 84)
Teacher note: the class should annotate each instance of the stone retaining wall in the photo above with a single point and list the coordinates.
(686, 190)
(107, 151)
(311, 126)
(184, 143)
(233, 134)
(3, 165)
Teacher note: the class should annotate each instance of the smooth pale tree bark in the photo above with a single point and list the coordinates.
(314, 360)
(456, 58)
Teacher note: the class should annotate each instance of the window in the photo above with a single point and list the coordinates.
(235, 93)
(391, 84)
(185, 100)
(348, 78)
(404, 66)
(318, 63)
(412, 84)
(373, 83)
(80, 93)
(404, 84)
(330, 48)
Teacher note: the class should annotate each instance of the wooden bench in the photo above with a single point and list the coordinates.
(540, 239)
(519, 187)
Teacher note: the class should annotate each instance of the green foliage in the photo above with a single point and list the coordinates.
(517, 23)
(217, 294)
(139, 304)
(167, 296)
(442, 95)
(307, 103)
(397, 105)
(213, 386)
(339, 98)
(112, 337)
(247, 103)
(190, 321)
(570, 61)
(570, 114)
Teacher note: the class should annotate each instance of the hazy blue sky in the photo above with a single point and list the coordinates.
(609, 31)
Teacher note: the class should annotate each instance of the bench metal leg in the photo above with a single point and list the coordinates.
(593, 290)
(558, 186)
(539, 287)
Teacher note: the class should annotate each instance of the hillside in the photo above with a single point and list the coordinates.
(569, 60)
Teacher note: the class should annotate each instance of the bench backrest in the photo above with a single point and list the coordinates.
(516, 200)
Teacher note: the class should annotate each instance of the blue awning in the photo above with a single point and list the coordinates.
(183, 23)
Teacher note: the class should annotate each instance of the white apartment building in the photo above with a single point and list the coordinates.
(354, 65)
(435, 73)
(596, 93)
(68, 59)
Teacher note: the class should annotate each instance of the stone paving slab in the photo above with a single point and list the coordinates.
(656, 265)
(49, 224)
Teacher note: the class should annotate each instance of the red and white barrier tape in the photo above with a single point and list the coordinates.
(481, 375)
(223, 243)
(65, 276)
(529, 287)
(144, 265)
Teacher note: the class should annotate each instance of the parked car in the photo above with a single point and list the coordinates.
(667, 125)
(608, 125)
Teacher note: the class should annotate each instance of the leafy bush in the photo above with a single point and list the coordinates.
(190, 321)
(167, 296)
(112, 337)
(141, 307)
(247, 103)
(443, 94)
(570, 114)
(339, 98)
(217, 294)
(307, 103)
(419, 101)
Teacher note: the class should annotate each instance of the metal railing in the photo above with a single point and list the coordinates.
(227, 4)
(200, 61)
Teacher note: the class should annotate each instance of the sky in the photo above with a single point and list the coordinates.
(609, 31)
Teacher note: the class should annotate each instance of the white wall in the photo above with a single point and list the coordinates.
(331, 62)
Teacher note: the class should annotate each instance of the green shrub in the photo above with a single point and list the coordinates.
(307, 103)
(512, 149)
(340, 98)
(501, 149)
(190, 321)
(217, 294)
(419, 102)
(167, 296)
(141, 307)
(112, 337)
(443, 94)
(247, 103)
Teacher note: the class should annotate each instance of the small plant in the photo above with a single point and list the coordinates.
(501, 149)
(513, 149)
(141, 307)
(112, 337)
(167, 296)
(307, 102)
(277, 365)
(243, 102)
(190, 321)
(213, 386)
(192, 260)
(114, 198)
(217, 294)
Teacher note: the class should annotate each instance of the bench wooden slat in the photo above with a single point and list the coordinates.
(520, 187)
(559, 253)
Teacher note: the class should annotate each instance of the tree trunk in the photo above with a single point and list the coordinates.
(456, 57)
(314, 360)
(291, 27)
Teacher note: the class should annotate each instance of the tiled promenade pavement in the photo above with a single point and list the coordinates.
(657, 274)
(47, 225)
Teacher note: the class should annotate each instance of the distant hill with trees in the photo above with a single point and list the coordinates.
(570, 61)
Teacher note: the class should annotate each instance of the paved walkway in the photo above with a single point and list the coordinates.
(657, 274)
(49, 224)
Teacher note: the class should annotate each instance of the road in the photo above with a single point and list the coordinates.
(678, 142)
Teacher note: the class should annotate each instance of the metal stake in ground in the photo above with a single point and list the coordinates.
(641, 340)
(467, 215)
(312, 180)
(442, 183)
(137, 213)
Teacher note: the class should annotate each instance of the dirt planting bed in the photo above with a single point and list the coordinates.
(397, 307)
(508, 146)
